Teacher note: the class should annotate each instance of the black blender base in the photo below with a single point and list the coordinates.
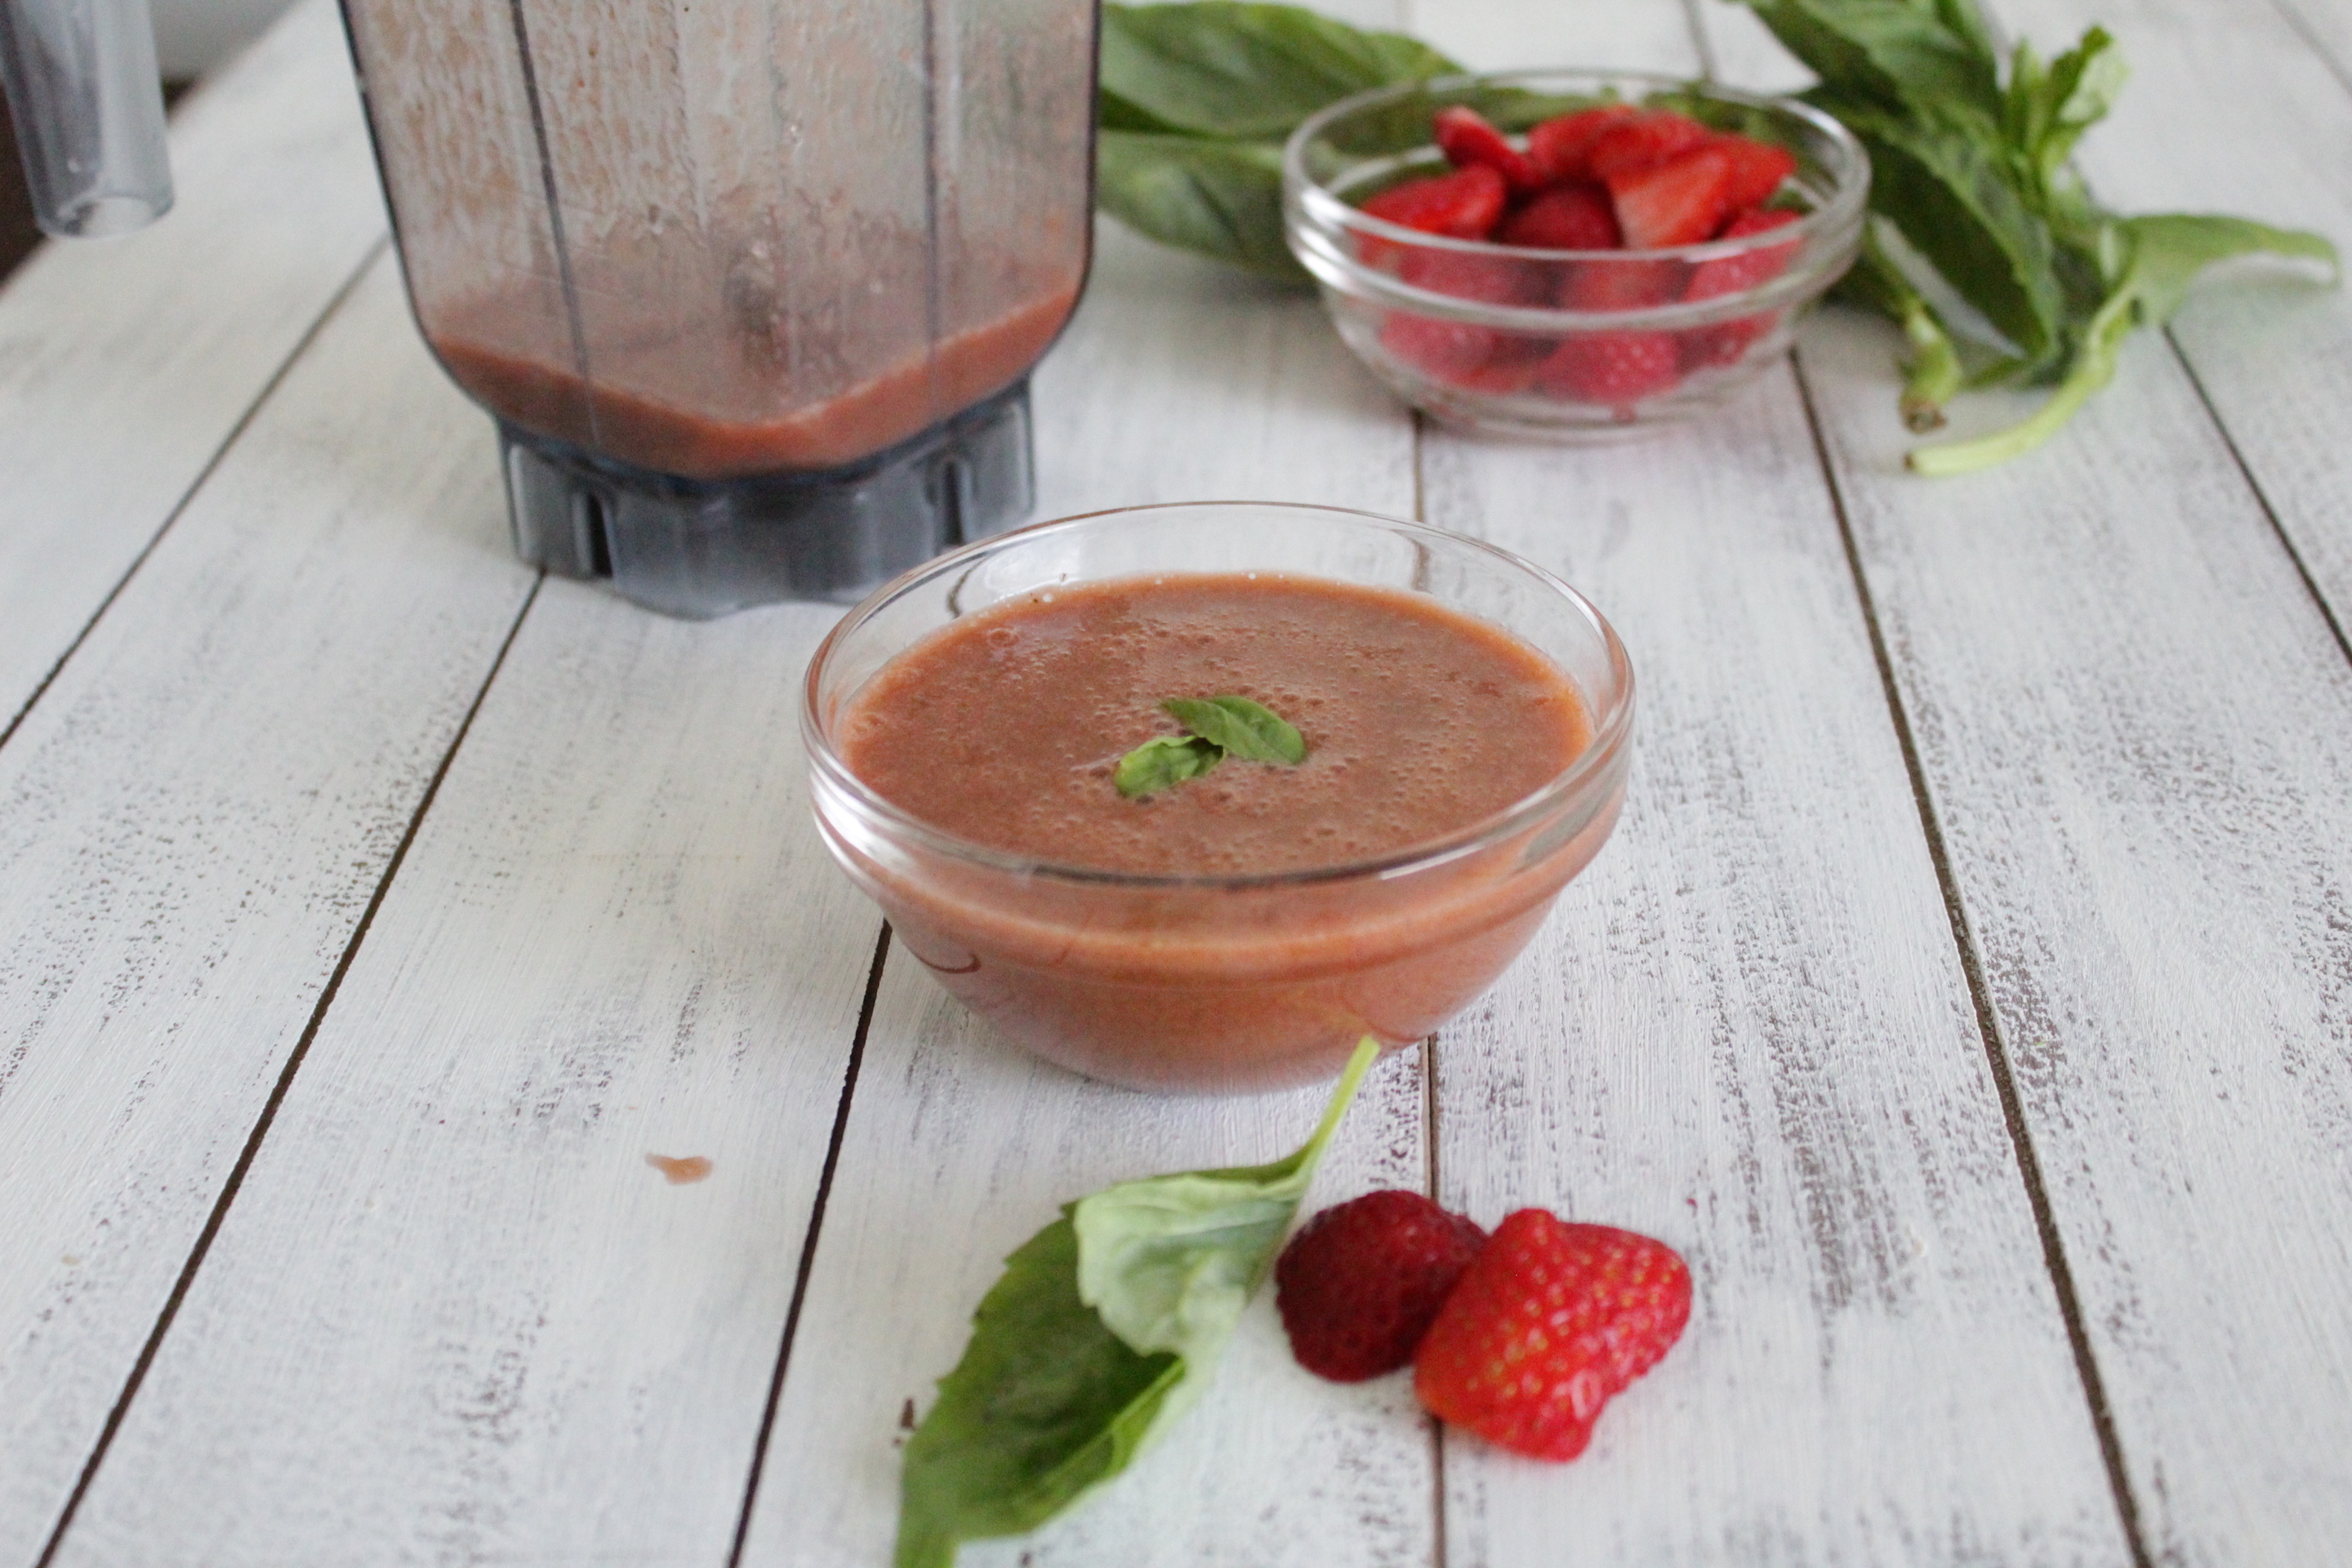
(700, 549)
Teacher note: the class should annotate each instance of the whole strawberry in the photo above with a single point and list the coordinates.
(1359, 1284)
(1547, 1324)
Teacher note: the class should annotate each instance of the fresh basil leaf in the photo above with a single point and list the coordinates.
(1171, 1262)
(1045, 1403)
(1105, 1326)
(2169, 249)
(1946, 189)
(1249, 72)
(2048, 109)
(1163, 761)
(1244, 728)
(1896, 54)
(1223, 199)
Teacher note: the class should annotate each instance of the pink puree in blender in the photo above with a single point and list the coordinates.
(696, 404)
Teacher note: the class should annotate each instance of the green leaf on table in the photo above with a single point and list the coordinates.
(2169, 249)
(1105, 1326)
(1163, 761)
(1248, 72)
(1244, 729)
(1223, 199)
(2165, 252)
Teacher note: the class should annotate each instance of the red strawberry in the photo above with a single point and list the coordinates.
(1617, 368)
(1548, 1323)
(1757, 169)
(1461, 354)
(1732, 274)
(1465, 138)
(1493, 280)
(1464, 205)
(1650, 137)
(1572, 217)
(1561, 149)
(1679, 202)
(1725, 341)
(1358, 1286)
(1619, 285)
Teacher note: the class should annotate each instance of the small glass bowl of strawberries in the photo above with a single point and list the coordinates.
(1566, 255)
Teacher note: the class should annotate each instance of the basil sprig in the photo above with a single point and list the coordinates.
(1972, 196)
(1106, 1326)
(1218, 727)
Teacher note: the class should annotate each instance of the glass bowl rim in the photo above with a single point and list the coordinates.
(1610, 727)
(1309, 200)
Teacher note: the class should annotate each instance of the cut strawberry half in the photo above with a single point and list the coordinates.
(1724, 343)
(1630, 284)
(1461, 354)
(1466, 137)
(1651, 137)
(1572, 217)
(1616, 370)
(1491, 279)
(1757, 169)
(1737, 274)
(1464, 205)
(1679, 202)
(1561, 149)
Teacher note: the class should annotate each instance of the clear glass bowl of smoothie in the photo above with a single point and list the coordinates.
(1466, 717)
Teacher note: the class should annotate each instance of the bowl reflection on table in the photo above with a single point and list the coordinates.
(1483, 335)
(1222, 982)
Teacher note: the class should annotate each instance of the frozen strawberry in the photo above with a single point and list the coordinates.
(1679, 202)
(1464, 205)
(1547, 1324)
(1722, 342)
(1561, 149)
(1569, 217)
(1757, 169)
(1359, 1284)
(1616, 370)
(1650, 137)
(1466, 137)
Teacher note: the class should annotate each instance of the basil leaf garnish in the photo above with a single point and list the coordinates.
(1106, 1326)
(1164, 761)
(1244, 729)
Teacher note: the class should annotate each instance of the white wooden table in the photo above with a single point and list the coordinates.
(1968, 992)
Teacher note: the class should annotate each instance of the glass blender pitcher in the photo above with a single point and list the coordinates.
(752, 286)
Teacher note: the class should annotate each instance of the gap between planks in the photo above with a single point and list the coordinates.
(2029, 1163)
(294, 1058)
(808, 1246)
(235, 432)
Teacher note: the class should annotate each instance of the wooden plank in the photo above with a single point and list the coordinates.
(617, 936)
(958, 1149)
(126, 363)
(191, 824)
(1747, 1031)
(2137, 731)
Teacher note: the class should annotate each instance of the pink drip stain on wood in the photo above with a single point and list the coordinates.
(678, 1173)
